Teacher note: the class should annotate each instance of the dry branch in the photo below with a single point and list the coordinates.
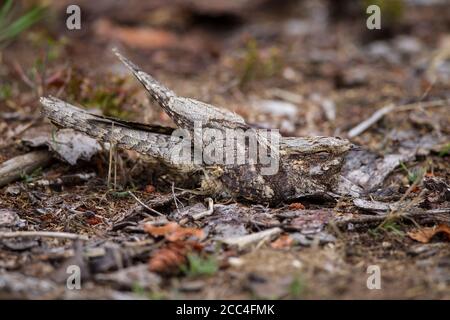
(363, 221)
(366, 124)
(45, 234)
(14, 168)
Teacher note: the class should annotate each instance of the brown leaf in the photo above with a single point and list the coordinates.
(169, 258)
(285, 241)
(149, 189)
(172, 231)
(296, 206)
(424, 235)
(136, 37)
(94, 220)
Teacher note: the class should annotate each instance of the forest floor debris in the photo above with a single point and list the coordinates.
(146, 236)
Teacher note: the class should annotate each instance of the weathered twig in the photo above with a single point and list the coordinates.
(379, 114)
(374, 118)
(18, 68)
(365, 220)
(144, 205)
(200, 215)
(45, 234)
(68, 180)
(205, 213)
(247, 240)
(14, 168)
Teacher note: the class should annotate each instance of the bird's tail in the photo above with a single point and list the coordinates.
(160, 93)
(116, 132)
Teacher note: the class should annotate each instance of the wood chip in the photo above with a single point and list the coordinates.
(254, 238)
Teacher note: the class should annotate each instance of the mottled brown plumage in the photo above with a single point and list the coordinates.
(305, 166)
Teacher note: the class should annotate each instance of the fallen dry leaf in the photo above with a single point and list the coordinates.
(169, 258)
(296, 206)
(172, 231)
(94, 220)
(149, 188)
(285, 241)
(424, 235)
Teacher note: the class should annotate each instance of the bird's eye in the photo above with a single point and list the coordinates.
(322, 155)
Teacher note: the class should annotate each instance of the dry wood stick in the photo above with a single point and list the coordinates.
(46, 234)
(14, 168)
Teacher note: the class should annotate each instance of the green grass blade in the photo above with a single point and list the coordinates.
(4, 11)
(22, 23)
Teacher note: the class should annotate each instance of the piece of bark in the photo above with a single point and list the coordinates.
(14, 168)
(66, 144)
(365, 169)
(247, 240)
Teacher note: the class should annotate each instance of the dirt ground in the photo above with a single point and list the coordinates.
(306, 67)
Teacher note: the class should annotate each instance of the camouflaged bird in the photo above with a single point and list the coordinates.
(305, 166)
